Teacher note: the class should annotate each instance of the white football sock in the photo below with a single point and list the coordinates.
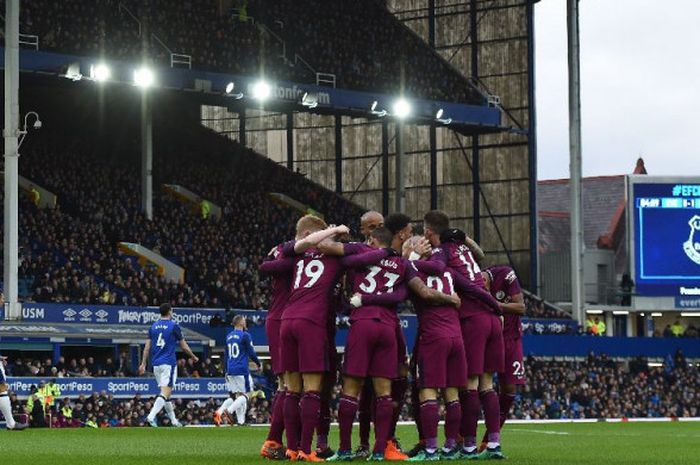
(157, 407)
(225, 406)
(170, 410)
(240, 406)
(6, 409)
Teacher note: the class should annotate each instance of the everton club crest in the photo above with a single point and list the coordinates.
(692, 245)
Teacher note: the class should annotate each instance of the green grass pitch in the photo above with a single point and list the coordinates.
(541, 444)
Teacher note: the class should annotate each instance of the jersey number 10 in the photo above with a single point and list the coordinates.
(233, 350)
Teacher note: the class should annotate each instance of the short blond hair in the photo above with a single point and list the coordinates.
(309, 224)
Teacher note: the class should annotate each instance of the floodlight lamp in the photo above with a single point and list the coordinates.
(230, 93)
(143, 77)
(73, 72)
(401, 108)
(310, 99)
(100, 72)
(373, 110)
(439, 117)
(261, 90)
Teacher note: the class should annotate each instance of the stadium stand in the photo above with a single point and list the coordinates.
(373, 52)
(362, 58)
(70, 253)
(96, 366)
(600, 388)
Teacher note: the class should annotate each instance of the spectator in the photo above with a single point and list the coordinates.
(677, 329)
(668, 332)
(626, 287)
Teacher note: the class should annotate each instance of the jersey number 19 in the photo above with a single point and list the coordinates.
(313, 270)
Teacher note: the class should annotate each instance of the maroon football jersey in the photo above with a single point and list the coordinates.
(314, 279)
(504, 286)
(461, 260)
(281, 288)
(437, 321)
(386, 278)
(458, 258)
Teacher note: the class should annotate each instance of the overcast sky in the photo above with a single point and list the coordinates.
(640, 74)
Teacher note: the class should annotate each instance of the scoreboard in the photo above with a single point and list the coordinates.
(664, 220)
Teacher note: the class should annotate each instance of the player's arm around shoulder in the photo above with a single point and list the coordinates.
(431, 295)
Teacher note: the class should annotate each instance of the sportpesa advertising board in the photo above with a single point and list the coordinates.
(665, 237)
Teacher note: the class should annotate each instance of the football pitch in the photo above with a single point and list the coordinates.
(540, 444)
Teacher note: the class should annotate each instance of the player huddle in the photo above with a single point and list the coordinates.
(468, 330)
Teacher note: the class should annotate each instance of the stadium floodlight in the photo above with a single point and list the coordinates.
(594, 312)
(230, 93)
(25, 129)
(143, 77)
(261, 91)
(656, 314)
(375, 112)
(73, 72)
(310, 99)
(401, 108)
(621, 312)
(439, 117)
(690, 314)
(100, 72)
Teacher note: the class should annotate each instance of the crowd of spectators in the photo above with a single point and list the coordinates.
(678, 330)
(105, 366)
(595, 387)
(538, 308)
(70, 253)
(600, 387)
(374, 53)
(102, 410)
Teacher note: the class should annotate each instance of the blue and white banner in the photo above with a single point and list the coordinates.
(198, 319)
(124, 388)
(195, 319)
(532, 326)
(688, 302)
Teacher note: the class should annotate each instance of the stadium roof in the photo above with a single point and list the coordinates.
(603, 211)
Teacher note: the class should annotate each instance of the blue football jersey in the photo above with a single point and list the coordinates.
(165, 337)
(239, 349)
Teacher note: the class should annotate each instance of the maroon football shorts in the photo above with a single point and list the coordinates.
(304, 346)
(441, 363)
(482, 334)
(272, 330)
(371, 350)
(514, 369)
